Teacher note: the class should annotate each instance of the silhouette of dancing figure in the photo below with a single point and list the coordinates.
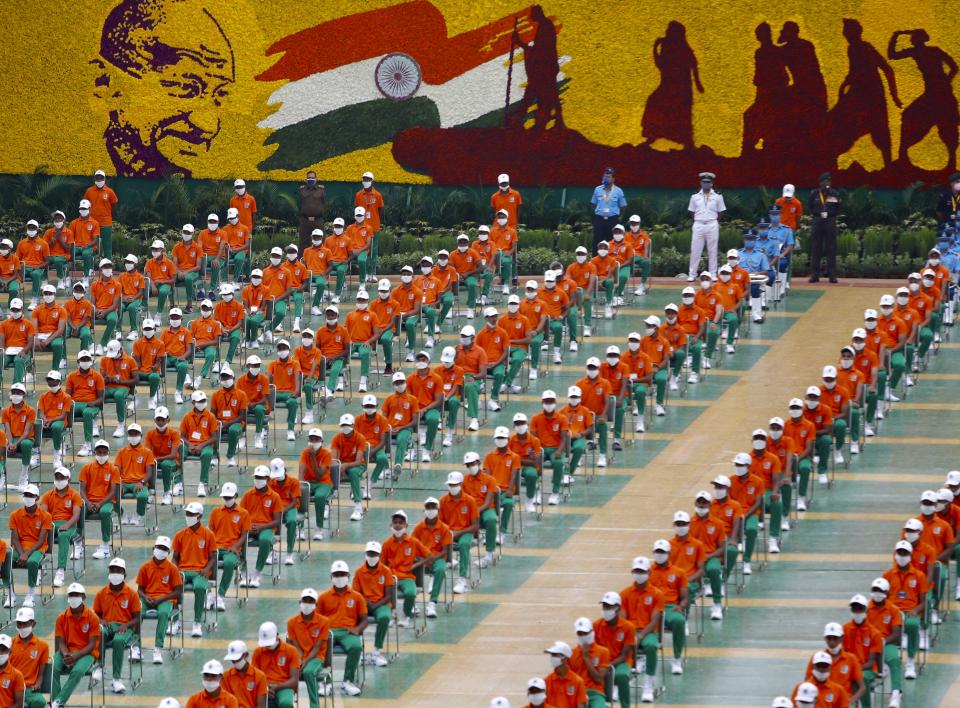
(936, 106)
(806, 95)
(861, 107)
(762, 121)
(669, 110)
(541, 66)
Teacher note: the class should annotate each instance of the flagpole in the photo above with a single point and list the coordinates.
(513, 47)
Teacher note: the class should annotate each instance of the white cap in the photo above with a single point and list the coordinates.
(869, 314)
(688, 291)
(953, 477)
(913, 524)
(113, 348)
(661, 544)
(101, 443)
(682, 517)
(705, 274)
(592, 361)
(821, 657)
(161, 412)
(548, 395)
(468, 331)
(359, 211)
(470, 457)
(193, 508)
(235, 649)
(903, 546)
(759, 433)
(213, 217)
(454, 478)
(32, 490)
(226, 371)
(721, 480)
(431, 500)
(789, 190)
(425, 259)
(703, 494)
(18, 387)
(733, 253)
(169, 703)
(62, 472)
(741, 458)
(519, 418)
(373, 547)
(176, 312)
(276, 251)
(369, 400)
(256, 273)
(813, 391)
(611, 598)
(653, 320)
(829, 372)
(807, 692)
(858, 599)
(795, 403)
(833, 629)
(84, 204)
(503, 177)
(196, 396)
(581, 250)
(229, 489)
(549, 276)
(671, 306)
(886, 300)
(582, 625)
(537, 683)
(149, 324)
(929, 496)
(781, 702)
(76, 589)
(725, 269)
(233, 213)
(399, 512)
(339, 566)
(945, 495)
(55, 375)
(261, 471)
(634, 219)
(25, 614)
(6, 641)
(49, 288)
(881, 584)
(398, 376)
(561, 648)
(162, 541)
(157, 244)
(206, 303)
(309, 592)
(531, 285)
(315, 433)
(640, 563)
(16, 304)
(903, 290)
(574, 392)
(347, 419)
(513, 299)
(267, 634)
(253, 360)
(490, 312)
(213, 667)
(776, 420)
(448, 355)
(501, 431)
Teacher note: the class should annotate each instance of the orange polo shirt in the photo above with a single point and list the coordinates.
(599, 658)
(400, 554)
(332, 342)
(527, 448)
(227, 403)
(309, 360)
(566, 691)
(458, 514)
(247, 686)
(123, 367)
(549, 429)
(434, 538)
(49, 317)
(555, 300)
(884, 618)
(206, 330)
(187, 255)
(132, 283)
(406, 297)
(284, 374)
(202, 699)
(28, 657)
(669, 580)
(84, 231)
(149, 352)
(906, 587)
(479, 486)
(343, 609)
(509, 201)
(79, 312)
(316, 461)
(399, 409)
(360, 325)
(211, 241)
(317, 259)
(61, 505)
(801, 430)
(176, 341)
(76, 630)
(98, 479)
(194, 544)
(517, 327)
(53, 405)
(288, 490)
(372, 201)
(246, 207)
(616, 375)
(338, 247)
(229, 524)
(261, 506)
(237, 235)
(229, 314)
(727, 511)
(687, 553)
(120, 607)
(196, 428)
(163, 443)
(254, 296)
(372, 428)
(470, 360)
(424, 387)
(157, 579)
(134, 463)
(595, 393)
(657, 349)
(493, 341)
(16, 333)
(709, 530)
(614, 637)
(502, 466)
(277, 664)
(580, 419)
(160, 269)
(373, 583)
(309, 632)
(29, 526)
(257, 388)
(19, 419)
(862, 640)
(348, 447)
(11, 683)
(33, 252)
(465, 262)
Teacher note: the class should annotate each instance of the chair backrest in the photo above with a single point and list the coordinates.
(46, 678)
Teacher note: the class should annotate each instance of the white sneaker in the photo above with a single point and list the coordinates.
(534, 374)
(429, 343)
(823, 479)
(349, 689)
(716, 612)
(639, 427)
(784, 524)
(659, 410)
(173, 629)
(469, 314)
(291, 436)
(296, 325)
(730, 349)
(157, 655)
(587, 331)
(447, 439)
(607, 312)
(676, 667)
(197, 630)
(103, 551)
(910, 669)
(132, 337)
(801, 504)
(409, 357)
(363, 385)
(58, 578)
(315, 311)
(308, 418)
(288, 559)
(357, 514)
(152, 403)
(57, 458)
(258, 440)
(318, 535)
(485, 561)
(935, 617)
(868, 430)
(254, 580)
(707, 364)
(646, 696)
(638, 290)
(909, 380)
(119, 432)
(557, 357)
(461, 587)
(178, 397)
(30, 599)
(431, 609)
(601, 460)
(838, 457)
(574, 346)
(167, 499)
(674, 383)
(924, 640)
(894, 699)
(854, 447)
(201, 490)
(529, 507)
(474, 425)
(553, 500)
(177, 489)
(425, 455)
(10, 600)
(773, 545)
(231, 462)
(747, 568)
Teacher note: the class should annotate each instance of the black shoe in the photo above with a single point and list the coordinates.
(617, 446)
(814, 279)
(388, 370)
(188, 309)
(833, 279)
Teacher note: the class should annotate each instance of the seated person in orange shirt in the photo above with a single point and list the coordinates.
(148, 353)
(435, 290)
(256, 386)
(676, 338)
(34, 253)
(230, 524)
(314, 469)
(308, 632)
(618, 374)
(437, 538)
(458, 511)
(195, 554)
(213, 242)
(350, 454)
(60, 240)
(280, 662)
(137, 473)
(107, 293)
(287, 380)
(317, 259)
(199, 432)
(160, 588)
(408, 299)
(10, 270)
(118, 607)
(51, 326)
(77, 638)
(163, 274)
(243, 680)
(63, 502)
(364, 330)
(565, 689)
(29, 655)
(487, 250)
(133, 287)
(469, 264)
(557, 308)
(231, 315)
(908, 593)
(347, 611)
(591, 662)
(581, 421)
(333, 341)
(845, 668)
(340, 253)
(31, 529)
(536, 695)
(553, 431)
(504, 465)
(55, 407)
(656, 346)
(299, 281)
(238, 244)
(98, 485)
(473, 360)
(484, 489)
(495, 341)
(822, 419)
(213, 695)
(642, 604)
(178, 347)
(405, 556)
(18, 429)
(206, 331)
(288, 489)
(451, 376)
(505, 239)
(641, 374)
(188, 259)
(164, 443)
(229, 404)
(16, 340)
(375, 582)
(829, 693)
(265, 508)
(427, 387)
(622, 251)
(731, 297)
(401, 410)
(528, 447)
(671, 581)
(606, 266)
(119, 375)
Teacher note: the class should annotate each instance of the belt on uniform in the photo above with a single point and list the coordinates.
(704, 221)
(615, 216)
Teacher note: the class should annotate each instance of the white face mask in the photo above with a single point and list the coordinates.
(339, 581)
(127, 266)
(705, 284)
(775, 435)
(878, 597)
(911, 536)
(513, 308)
(902, 561)
(307, 608)
(928, 509)
(53, 388)
(442, 262)
(175, 322)
(639, 577)
(60, 483)
(204, 312)
(522, 428)
(812, 403)
(609, 615)
(928, 282)
(886, 311)
(431, 514)
(720, 494)
(227, 382)
(201, 406)
(902, 300)
(586, 640)
(29, 502)
(660, 557)
(796, 413)
(555, 661)
(574, 401)
(549, 407)
(161, 426)
(483, 236)
(259, 483)
(454, 489)
(16, 314)
(724, 277)
(338, 230)
(502, 221)
(701, 511)
(741, 470)
(820, 675)
(107, 272)
(229, 502)
(115, 578)
(406, 278)
(426, 270)
(84, 213)
(346, 429)
(315, 445)
(24, 633)
(372, 561)
(846, 363)
(687, 299)
(317, 242)
(134, 439)
(254, 371)
(102, 459)
(934, 262)
(581, 259)
(283, 353)
(603, 252)
(914, 286)
(49, 298)
(400, 387)
(466, 341)
(32, 233)
(75, 601)
(759, 444)
(650, 331)
(255, 281)
(530, 294)
(240, 191)
(160, 554)
(362, 305)
(473, 469)
(859, 617)
(398, 533)
(192, 520)
(275, 260)
(210, 686)
(537, 699)
(593, 373)
(422, 365)
(613, 360)
(16, 398)
(462, 247)
(501, 442)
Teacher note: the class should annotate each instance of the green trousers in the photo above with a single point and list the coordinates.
(152, 379)
(193, 580)
(621, 677)
(898, 363)
(352, 645)
(19, 363)
(119, 397)
(381, 618)
(363, 354)
(264, 541)
(163, 296)
(676, 622)
(189, 281)
(85, 254)
(131, 309)
(578, 448)
(64, 542)
(550, 456)
(105, 516)
(34, 560)
(407, 590)
(309, 673)
(110, 322)
(380, 463)
(252, 325)
(36, 277)
(804, 468)
(530, 477)
(106, 244)
(289, 521)
(644, 265)
(215, 269)
(206, 460)
(401, 441)
(162, 614)
(228, 566)
(61, 693)
(431, 420)
(292, 404)
(452, 407)
(142, 496)
(464, 544)
(439, 578)
(354, 476)
(319, 286)
(167, 469)
(488, 522)
(386, 342)
(33, 699)
(118, 643)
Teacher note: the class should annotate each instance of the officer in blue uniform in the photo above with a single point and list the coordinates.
(950, 258)
(783, 234)
(771, 249)
(754, 260)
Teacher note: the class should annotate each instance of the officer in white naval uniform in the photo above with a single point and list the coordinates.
(706, 206)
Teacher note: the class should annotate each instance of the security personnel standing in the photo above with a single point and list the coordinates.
(607, 201)
(824, 205)
(706, 207)
(754, 260)
(948, 203)
(313, 202)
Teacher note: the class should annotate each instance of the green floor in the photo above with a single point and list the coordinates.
(709, 680)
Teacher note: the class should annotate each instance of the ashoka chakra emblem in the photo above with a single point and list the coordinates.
(398, 76)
